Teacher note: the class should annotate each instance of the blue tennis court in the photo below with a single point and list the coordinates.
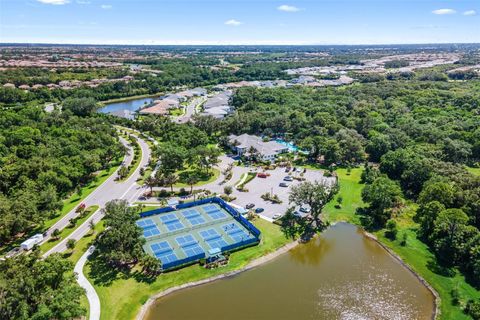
(214, 212)
(189, 245)
(235, 232)
(213, 238)
(194, 217)
(186, 234)
(168, 217)
(163, 251)
(172, 222)
(149, 228)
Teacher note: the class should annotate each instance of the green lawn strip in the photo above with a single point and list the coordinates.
(125, 99)
(77, 198)
(137, 157)
(178, 112)
(418, 256)
(351, 192)
(123, 297)
(475, 171)
(68, 230)
(203, 178)
(145, 175)
(245, 178)
(416, 253)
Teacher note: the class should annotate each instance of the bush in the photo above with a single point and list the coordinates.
(403, 243)
(392, 230)
(473, 309)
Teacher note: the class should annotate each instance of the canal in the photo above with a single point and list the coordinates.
(340, 275)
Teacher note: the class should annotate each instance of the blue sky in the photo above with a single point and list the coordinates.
(239, 22)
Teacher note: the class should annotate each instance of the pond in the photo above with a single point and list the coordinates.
(340, 275)
(130, 105)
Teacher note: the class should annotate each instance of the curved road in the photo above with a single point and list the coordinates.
(110, 190)
(93, 300)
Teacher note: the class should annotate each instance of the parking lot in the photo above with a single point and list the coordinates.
(271, 184)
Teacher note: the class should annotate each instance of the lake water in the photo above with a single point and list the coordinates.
(131, 105)
(340, 275)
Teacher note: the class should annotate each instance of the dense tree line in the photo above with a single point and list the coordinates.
(44, 157)
(420, 134)
(34, 288)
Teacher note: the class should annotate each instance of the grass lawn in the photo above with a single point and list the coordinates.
(416, 254)
(245, 178)
(80, 248)
(177, 112)
(475, 171)
(122, 296)
(77, 198)
(68, 230)
(350, 191)
(203, 177)
(137, 158)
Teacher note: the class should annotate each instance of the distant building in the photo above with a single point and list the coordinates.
(244, 145)
(126, 114)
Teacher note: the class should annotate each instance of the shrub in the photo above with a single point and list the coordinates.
(392, 230)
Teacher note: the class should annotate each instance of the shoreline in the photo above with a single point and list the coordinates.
(267, 258)
(130, 98)
(436, 309)
(252, 264)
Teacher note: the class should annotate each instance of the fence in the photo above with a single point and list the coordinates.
(156, 211)
(181, 262)
(238, 217)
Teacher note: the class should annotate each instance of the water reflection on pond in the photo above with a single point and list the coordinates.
(340, 275)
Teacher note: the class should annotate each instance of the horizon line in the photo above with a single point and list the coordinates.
(235, 44)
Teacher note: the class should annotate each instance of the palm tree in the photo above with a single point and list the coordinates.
(191, 179)
(150, 182)
(150, 265)
(170, 180)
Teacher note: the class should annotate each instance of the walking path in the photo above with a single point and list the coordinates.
(92, 296)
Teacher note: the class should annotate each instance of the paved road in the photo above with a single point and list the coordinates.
(93, 300)
(128, 190)
(92, 198)
(190, 110)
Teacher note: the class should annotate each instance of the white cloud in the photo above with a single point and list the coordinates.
(233, 22)
(83, 2)
(470, 13)
(54, 2)
(444, 11)
(106, 6)
(287, 8)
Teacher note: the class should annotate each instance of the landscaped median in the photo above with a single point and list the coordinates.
(127, 172)
(244, 179)
(122, 296)
(415, 254)
(65, 232)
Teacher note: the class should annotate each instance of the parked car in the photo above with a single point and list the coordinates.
(262, 175)
(288, 178)
(250, 206)
(259, 210)
(283, 184)
(287, 169)
(276, 216)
